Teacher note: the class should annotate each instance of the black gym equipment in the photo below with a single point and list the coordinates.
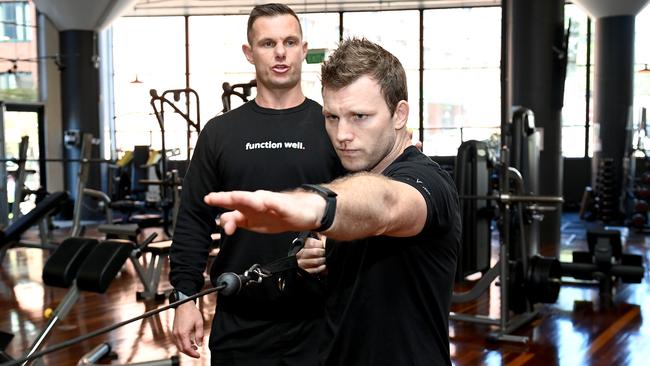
(148, 267)
(170, 182)
(472, 176)
(520, 289)
(158, 102)
(526, 278)
(230, 90)
(604, 264)
(514, 273)
(81, 264)
(100, 268)
(11, 235)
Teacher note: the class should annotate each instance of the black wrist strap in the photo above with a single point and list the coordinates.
(330, 204)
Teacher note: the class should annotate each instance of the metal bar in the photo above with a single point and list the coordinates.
(58, 160)
(139, 269)
(4, 199)
(104, 198)
(21, 175)
(82, 179)
(59, 314)
(480, 319)
(482, 285)
(504, 245)
(509, 198)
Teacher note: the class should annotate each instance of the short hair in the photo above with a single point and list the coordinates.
(268, 10)
(357, 57)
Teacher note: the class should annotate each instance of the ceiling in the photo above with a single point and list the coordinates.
(223, 7)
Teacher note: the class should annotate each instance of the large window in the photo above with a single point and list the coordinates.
(461, 77)
(148, 53)
(574, 113)
(399, 33)
(216, 58)
(321, 31)
(20, 124)
(460, 70)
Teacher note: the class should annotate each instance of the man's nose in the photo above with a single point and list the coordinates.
(344, 131)
(280, 51)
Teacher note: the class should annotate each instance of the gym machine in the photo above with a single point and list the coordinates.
(525, 278)
(230, 90)
(40, 214)
(170, 180)
(604, 263)
(81, 264)
(474, 184)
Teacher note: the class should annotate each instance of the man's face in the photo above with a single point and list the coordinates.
(277, 51)
(359, 124)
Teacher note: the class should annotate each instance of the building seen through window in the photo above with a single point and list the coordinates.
(18, 52)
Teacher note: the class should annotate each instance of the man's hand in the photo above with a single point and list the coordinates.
(188, 329)
(268, 212)
(311, 257)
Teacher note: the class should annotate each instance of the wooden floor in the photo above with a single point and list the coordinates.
(577, 330)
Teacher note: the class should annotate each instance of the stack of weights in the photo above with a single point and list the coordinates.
(606, 197)
(641, 197)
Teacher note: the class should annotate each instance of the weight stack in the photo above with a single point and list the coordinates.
(607, 200)
(472, 177)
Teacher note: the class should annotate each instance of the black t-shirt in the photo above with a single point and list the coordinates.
(389, 297)
(250, 148)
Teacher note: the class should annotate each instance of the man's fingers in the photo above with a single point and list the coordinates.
(198, 333)
(314, 243)
(188, 329)
(237, 199)
(230, 221)
(186, 346)
(311, 262)
(316, 270)
(306, 253)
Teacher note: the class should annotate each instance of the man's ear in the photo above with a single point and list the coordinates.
(305, 48)
(248, 52)
(401, 114)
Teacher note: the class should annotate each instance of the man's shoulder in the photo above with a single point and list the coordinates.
(233, 116)
(414, 165)
(313, 104)
(411, 159)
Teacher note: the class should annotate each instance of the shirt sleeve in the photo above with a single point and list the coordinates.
(437, 189)
(195, 221)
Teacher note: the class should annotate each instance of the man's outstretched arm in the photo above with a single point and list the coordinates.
(367, 205)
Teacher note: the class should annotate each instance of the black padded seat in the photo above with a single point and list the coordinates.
(62, 266)
(119, 230)
(103, 264)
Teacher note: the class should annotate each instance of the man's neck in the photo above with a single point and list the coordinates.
(279, 98)
(401, 143)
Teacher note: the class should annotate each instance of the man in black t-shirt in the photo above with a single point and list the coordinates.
(277, 141)
(393, 226)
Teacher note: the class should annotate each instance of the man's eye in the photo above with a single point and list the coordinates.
(360, 116)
